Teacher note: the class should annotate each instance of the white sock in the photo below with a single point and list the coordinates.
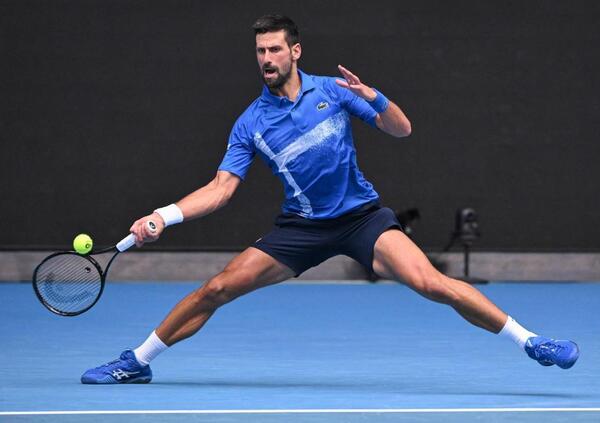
(151, 348)
(516, 332)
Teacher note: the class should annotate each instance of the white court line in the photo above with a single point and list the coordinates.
(307, 411)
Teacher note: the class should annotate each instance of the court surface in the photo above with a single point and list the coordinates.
(303, 353)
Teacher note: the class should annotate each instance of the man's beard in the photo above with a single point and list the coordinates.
(281, 78)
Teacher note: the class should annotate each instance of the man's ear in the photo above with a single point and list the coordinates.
(296, 51)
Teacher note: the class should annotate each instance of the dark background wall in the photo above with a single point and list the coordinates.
(112, 108)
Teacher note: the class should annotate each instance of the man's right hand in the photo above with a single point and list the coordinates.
(143, 233)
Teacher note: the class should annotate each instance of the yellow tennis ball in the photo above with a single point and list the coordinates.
(83, 243)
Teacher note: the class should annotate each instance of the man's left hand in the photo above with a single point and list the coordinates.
(352, 82)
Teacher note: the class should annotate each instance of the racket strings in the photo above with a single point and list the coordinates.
(68, 282)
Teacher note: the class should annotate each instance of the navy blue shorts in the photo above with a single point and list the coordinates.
(302, 243)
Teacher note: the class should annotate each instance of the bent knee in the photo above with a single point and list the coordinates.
(434, 286)
(225, 287)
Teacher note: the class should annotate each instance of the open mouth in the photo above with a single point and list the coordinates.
(269, 72)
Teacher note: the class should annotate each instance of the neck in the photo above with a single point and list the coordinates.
(291, 88)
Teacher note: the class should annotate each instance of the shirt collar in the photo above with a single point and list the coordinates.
(306, 84)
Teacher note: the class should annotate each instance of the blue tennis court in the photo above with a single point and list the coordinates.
(310, 352)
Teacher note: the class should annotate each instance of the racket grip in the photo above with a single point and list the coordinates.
(126, 243)
(129, 241)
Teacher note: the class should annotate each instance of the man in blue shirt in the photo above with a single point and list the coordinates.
(291, 136)
(300, 126)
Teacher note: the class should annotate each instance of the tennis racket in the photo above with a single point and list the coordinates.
(68, 283)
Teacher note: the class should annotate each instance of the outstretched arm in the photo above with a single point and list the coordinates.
(392, 121)
(210, 197)
(201, 202)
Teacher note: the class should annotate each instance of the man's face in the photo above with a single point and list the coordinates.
(275, 58)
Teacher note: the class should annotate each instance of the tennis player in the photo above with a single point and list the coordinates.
(300, 126)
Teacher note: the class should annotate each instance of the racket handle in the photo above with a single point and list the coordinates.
(126, 243)
(129, 241)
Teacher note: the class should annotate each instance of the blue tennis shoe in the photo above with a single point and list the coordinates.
(125, 369)
(548, 351)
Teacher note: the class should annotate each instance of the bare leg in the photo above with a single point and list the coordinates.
(397, 257)
(251, 270)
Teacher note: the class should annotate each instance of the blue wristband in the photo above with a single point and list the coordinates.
(380, 103)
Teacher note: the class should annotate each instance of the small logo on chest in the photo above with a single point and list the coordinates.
(322, 105)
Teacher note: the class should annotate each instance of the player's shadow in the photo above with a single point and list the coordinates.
(370, 387)
(266, 384)
(513, 394)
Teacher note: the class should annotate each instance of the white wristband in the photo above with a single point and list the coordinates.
(171, 214)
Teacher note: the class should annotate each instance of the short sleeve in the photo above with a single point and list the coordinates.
(240, 152)
(352, 103)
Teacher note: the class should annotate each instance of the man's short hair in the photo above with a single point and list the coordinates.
(274, 23)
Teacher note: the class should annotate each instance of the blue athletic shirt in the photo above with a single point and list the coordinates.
(308, 145)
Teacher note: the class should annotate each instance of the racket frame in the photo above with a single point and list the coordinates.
(123, 245)
(92, 261)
